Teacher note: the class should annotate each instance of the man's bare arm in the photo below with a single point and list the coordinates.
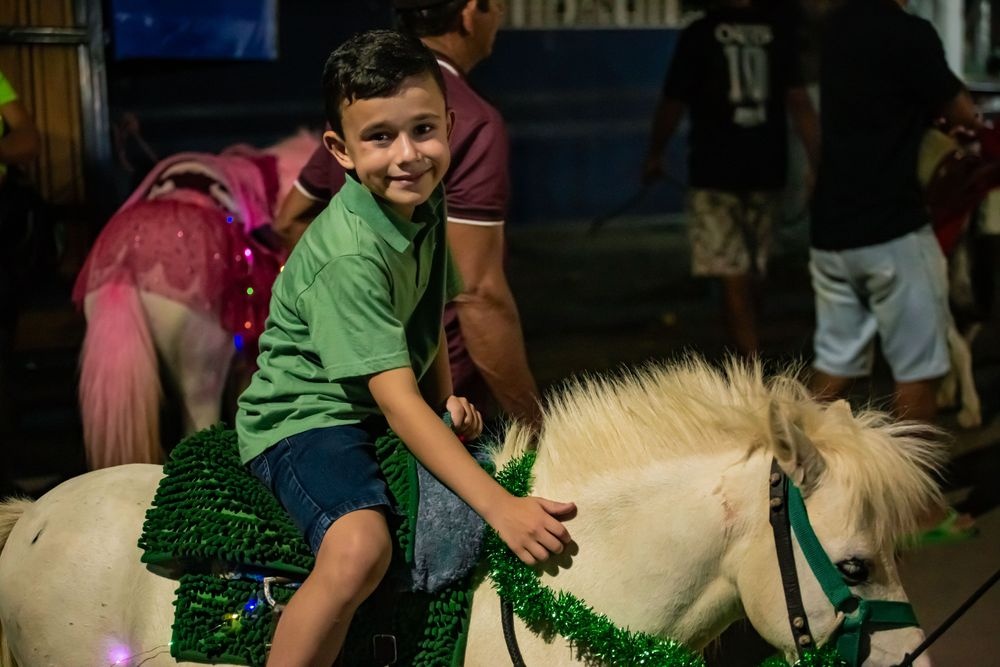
(22, 141)
(296, 212)
(665, 121)
(806, 122)
(491, 325)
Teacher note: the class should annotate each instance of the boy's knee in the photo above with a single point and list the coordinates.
(353, 562)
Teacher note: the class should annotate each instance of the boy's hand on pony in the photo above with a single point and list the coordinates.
(466, 421)
(530, 528)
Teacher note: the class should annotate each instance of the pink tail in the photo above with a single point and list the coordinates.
(119, 381)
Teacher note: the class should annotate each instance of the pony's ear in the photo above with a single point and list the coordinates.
(794, 451)
(841, 405)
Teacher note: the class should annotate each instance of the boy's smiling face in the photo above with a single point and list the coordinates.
(397, 145)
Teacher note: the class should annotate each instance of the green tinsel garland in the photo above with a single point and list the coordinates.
(593, 635)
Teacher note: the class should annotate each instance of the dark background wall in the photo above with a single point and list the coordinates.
(578, 104)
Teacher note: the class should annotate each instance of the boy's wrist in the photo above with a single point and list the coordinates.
(492, 502)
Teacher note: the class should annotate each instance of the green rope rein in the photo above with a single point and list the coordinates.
(594, 636)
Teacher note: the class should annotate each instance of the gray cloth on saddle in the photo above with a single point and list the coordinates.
(449, 535)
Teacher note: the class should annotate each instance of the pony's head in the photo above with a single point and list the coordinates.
(292, 154)
(866, 481)
(683, 454)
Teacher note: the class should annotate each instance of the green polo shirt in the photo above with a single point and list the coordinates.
(363, 292)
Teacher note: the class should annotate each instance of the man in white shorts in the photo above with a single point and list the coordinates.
(736, 72)
(876, 266)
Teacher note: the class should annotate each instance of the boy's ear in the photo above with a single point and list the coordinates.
(338, 149)
(451, 121)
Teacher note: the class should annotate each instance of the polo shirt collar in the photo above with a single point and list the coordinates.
(448, 64)
(394, 229)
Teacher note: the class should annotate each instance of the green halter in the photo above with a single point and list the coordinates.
(861, 616)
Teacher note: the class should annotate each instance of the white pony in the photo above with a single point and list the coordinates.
(669, 467)
(179, 273)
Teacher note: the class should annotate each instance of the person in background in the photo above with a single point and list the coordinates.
(736, 72)
(489, 363)
(19, 138)
(877, 268)
(20, 144)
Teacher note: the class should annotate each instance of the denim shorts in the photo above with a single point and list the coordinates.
(320, 475)
(898, 290)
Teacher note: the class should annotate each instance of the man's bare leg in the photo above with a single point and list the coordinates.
(826, 387)
(740, 312)
(916, 400)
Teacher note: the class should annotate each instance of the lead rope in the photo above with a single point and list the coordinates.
(948, 622)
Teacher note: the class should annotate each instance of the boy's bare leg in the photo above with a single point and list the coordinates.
(352, 560)
(740, 312)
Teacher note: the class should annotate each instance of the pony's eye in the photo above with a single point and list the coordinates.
(854, 571)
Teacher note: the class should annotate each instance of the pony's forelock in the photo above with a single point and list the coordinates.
(600, 423)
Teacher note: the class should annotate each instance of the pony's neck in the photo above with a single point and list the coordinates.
(656, 546)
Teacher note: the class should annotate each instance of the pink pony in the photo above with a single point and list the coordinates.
(178, 279)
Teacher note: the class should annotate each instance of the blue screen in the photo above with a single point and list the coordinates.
(196, 29)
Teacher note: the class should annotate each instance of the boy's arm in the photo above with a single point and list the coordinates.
(436, 386)
(527, 525)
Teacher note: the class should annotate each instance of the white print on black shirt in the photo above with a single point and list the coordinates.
(749, 84)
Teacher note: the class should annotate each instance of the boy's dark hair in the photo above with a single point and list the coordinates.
(436, 20)
(373, 64)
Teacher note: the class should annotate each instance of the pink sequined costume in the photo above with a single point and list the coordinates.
(186, 234)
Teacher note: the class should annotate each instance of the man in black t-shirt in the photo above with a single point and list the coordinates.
(876, 266)
(736, 71)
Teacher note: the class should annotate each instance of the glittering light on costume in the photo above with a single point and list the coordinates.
(248, 324)
(249, 291)
(122, 655)
(229, 219)
(247, 252)
(238, 342)
(119, 654)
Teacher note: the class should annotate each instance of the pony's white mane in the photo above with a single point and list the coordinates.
(597, 424)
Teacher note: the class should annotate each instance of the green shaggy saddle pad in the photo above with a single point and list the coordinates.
(224, 535)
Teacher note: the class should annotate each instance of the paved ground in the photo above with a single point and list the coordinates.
(591, 303)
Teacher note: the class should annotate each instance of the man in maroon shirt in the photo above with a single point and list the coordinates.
(485, 343)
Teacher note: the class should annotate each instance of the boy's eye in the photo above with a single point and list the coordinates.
(424, 128)
(378, 137)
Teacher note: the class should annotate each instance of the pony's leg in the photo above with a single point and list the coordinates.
(970, 416)
(947, 392)
(197, 352)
